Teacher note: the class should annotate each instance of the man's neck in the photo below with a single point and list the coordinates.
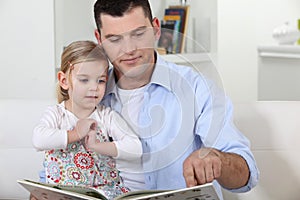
(130, 83)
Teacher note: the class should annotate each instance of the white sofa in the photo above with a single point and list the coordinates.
(272, 127)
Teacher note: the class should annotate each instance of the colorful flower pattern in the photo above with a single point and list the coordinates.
(76, 166)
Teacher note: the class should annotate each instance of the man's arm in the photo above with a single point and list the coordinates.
(206, 164)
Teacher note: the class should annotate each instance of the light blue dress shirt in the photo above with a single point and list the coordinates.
(181, 112)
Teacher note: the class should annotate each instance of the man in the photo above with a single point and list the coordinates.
(183, 121)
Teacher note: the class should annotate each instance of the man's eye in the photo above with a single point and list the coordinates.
(138, 34)
(114, 39)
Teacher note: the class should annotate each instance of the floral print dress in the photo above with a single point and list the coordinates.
(74, 165)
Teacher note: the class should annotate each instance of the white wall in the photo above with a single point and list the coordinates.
(27, 86)
(27, 49)
(242, 26)
(73, 21)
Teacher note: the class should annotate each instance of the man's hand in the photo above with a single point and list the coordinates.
(202, 166)
(31, 197)
(207, 164)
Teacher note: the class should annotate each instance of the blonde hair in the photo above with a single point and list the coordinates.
(74, 53)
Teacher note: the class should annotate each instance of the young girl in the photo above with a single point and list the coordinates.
(81, 139)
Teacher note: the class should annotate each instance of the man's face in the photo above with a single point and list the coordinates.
(129, 42)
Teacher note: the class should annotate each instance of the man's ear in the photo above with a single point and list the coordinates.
(156, 27)
(62, 80)
(98, 36)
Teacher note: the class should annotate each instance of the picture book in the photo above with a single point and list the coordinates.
(50, 191)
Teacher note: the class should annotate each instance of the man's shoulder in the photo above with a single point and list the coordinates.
(176, 67)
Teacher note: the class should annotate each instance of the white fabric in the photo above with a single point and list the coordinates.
(131, 103)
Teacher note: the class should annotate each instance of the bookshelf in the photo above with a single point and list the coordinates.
(174, 29)
(201, 30)
(201, 26)
(187, 58)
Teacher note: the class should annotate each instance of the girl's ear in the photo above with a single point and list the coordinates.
(62, 80)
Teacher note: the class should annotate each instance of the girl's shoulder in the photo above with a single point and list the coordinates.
(105, 111)
(55, 110)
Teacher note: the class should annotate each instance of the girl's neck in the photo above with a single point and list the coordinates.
(79, 112)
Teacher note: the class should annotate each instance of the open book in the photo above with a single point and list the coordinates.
(50, 191)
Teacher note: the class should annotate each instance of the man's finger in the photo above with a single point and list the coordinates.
(189, 176)
(209, 173)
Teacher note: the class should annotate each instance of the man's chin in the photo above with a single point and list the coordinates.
(135, 72)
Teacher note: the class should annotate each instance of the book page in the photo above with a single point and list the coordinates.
(48, 191)
(201, 192)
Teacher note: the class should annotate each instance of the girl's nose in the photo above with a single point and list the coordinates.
(93, 86)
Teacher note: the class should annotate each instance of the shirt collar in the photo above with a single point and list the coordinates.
(160, 76)
(111, 86)
(161, 73)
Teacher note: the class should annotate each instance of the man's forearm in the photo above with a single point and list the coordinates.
(235, 171)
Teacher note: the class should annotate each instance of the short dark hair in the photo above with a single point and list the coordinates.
(117, 8)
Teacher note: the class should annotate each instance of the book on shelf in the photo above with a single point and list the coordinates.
(179, 15)
(51, 191)
(169, 34)
(176, 42)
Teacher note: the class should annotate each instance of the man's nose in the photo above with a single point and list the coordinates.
(129, 45)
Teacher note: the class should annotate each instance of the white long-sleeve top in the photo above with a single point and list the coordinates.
(51, 133)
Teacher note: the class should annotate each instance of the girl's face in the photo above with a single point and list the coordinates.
(87, 86)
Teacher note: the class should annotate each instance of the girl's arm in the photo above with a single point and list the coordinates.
(46, 134)
(103, 148)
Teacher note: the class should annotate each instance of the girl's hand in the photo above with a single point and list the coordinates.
(84, 126)
(91, 140)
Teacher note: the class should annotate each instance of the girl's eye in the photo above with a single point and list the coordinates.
(101, 81)
(83, 80)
